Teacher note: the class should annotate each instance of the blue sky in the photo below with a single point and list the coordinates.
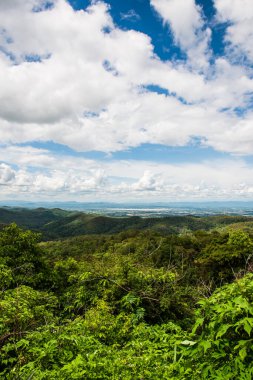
(145, 100)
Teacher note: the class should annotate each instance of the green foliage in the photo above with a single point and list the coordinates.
(57, 223)
(20, 254)
(23, 310)
(79, 350)
(6, 278)
(227, 255)
(133, 305)
(223, 334)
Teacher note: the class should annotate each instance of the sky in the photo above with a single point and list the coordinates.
(131, 100)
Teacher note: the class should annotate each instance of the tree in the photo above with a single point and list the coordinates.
(20, 253)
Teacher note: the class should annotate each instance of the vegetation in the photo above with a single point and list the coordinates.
(138, 304)
(57, 224)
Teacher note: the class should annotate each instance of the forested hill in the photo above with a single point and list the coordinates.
(128, 306)
(57, 223)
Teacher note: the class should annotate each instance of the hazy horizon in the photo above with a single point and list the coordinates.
(142, 209)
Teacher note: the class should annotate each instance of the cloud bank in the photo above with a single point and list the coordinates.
(76, 78)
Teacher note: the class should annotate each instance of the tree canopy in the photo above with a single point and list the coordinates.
(132, 305)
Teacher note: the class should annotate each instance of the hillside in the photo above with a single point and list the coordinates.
(57, 223)
(133, 305)
(31, 218)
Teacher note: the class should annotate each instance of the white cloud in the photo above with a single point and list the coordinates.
(7, 175)
(88, 90)
(131, 15)
(52, 99)
(48, 100)
(187, 25)
(81, 179)
(148, 182)
(239, 34)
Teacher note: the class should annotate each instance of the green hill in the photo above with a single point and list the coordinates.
(31, 218)
(58, 224)
(132, 305)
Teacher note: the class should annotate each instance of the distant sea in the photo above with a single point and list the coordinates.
(145, 209)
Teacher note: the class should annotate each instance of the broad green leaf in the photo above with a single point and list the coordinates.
(188, 343)
(222, 330)
(205, 344)
(243, 353)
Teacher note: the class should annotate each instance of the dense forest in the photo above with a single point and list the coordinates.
(144, 299)
(57, 223)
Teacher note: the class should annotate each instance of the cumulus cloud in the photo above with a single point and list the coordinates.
(185, 20)
(148, 182)
(75, 78)
(70, 177)
(239, 15)
(7, 175)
